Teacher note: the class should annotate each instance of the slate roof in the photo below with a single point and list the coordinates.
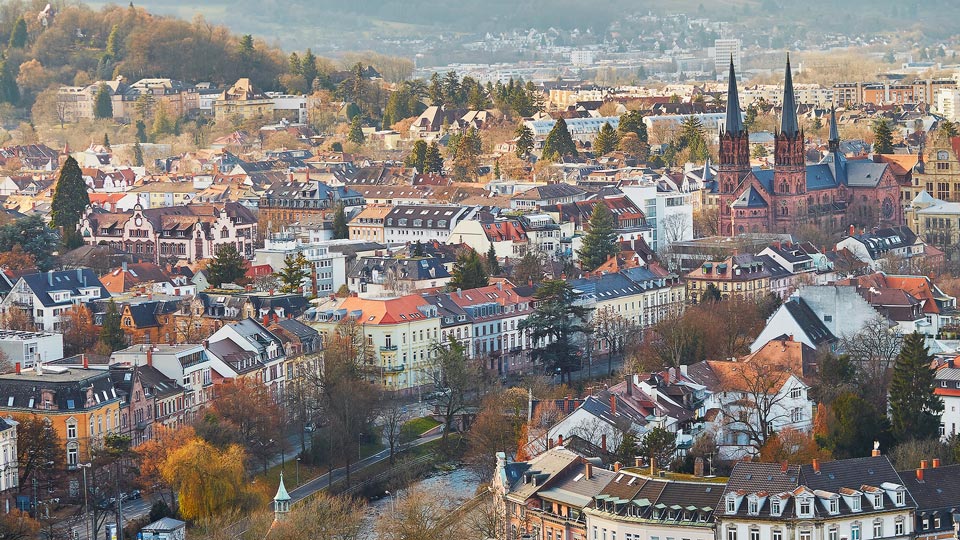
(70, 388)
(298, 329)
(544, 467)
(750, 198)
(809, 322)
(68, 280)
(939, 490)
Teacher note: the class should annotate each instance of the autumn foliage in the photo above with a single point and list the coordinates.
(208, 480)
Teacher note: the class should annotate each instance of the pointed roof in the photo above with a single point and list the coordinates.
(734, 124)
(834, 131)
(282, 495)
(788, 122)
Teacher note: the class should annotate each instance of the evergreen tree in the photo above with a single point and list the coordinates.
(245, 52)
(882, 137)
(137, 154)
(600, 242)
(466, 155)
(293, 273)
(103, 104)
(70, 197)
(606, 141)
(493, 265)
(524, 141)
(559, 143)
(337, 146)
(418, 156)
(356, 130)
(162, 123)
(113, 42)
(141, 131)
(948, 128)
(106, 141)
(308, 68)
(632, 122)
(914, 408)
(496, 169)
(434, 160)
(112, 337)
(9, 92)
(340, 229)
(558, 320)
(468, 272)
(693, 137)
(227, 266)
(18, 38)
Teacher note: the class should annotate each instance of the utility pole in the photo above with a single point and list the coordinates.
(86, 507)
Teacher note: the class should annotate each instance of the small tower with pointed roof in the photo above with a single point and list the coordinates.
(790, 171)
(734, 163)
(281, 502)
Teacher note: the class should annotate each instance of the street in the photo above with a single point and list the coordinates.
(132, 510)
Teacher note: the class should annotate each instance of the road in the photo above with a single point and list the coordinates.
(132, 510)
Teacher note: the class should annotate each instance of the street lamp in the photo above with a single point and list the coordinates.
(86, 509)
(298, 471)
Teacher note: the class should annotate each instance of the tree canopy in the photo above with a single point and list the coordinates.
(70, 197)
(914, 408)
(227, 266)
(468, 272)
(607, 140)
(559, 143)
(557, 320)
(600, 242)
(882, 137)
(294, 271)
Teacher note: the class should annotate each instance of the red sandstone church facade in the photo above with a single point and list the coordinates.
(832, 194)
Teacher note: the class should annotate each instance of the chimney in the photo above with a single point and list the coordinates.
(603, 441)
(613, 404)
(637, 462)
(936, 463)
(853, 230)
(17, 368)
(566, 404)
(206, 344)
(50, 278)
(499, 285)
(616, 466)
(588, 470)
(784, 466)
(923, 464)
(629, 387)
(698, 467)
(459, 292)
(816, 466)
(876, 449)
(149, 357)
(560, 440)
(86, 363)
(653, 465)
(920, 474)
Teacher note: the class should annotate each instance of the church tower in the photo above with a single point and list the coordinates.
(734, 154)
(789, 179)
(281, 502)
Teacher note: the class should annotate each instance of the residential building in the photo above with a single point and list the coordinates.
(394, 276)
(668, 211)
(424, 223)
(829, 194)
(242, 101)
(936, 222)
(9, 466)
(743, 276)
(935, 489)
(82, 405)
(190, 232)
(508, 236)
(368, 224)
(45, 297)
(545, 235)
(849, 498)
(165, 529)
(581, 129)
(948, 103)
(288, 202)
(916, 303)
(397, 333)
(269, 355)
(327, 271)
(150, 398)
(885, 248)
(28, 348)
(725, 52)
(538, 197)
(147, 278)
(947, 388)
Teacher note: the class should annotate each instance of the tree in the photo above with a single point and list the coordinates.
(340, 229)
(227, 266)
(320, 517)
(492, 263)
(261, 434)
(882, 137)
(759, 151)
(245, 52)
(793, 446)
(141, 131)
(759, 408)
(853, 425)
(914, 408)
(38, 445)
(948, 128)
(556, 321)
(600, 242)
(607, 140)
(9, 91)
(610, 330)
(17, 525)
(18, 38)
(153, 453)
(113, 42)
(18, 261)
(103, 103)
(659, 444)
(559, 143)
(137, 154)
(418, 156)
(208, 480)
(455, 377)
(70, 197)
(530, 268)
(293, 273)
(433, 162)
(17, 319)
(356, 130)
(632, 122)
(112, 337)
(835, 376)
(79, 333)
(421, 515)
(873, 351)
(496, 428)
(466, 154)
(524, 141)
(468, 272)
(106, 140)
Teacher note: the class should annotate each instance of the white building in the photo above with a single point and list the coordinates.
(948, 103)
(45, 297)
(424, 223)
(724, 49)
(9, 470)
(329, 265)
(26, 348)
(948, 389)
(581, 58)
(252, 337)
(290, 107)
(669, 213)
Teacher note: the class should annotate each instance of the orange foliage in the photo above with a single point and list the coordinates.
(793, 446)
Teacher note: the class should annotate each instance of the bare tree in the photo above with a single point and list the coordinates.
(675, 228)
(759, 409)
(393, 415)
(421, 515)
(874, 351)
(455, 379)
(611, 330)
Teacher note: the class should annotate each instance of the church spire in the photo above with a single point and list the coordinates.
(734, 125)
(834, 131)
(281, 501)
(788, 122)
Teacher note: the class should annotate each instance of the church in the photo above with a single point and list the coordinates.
(831, 195)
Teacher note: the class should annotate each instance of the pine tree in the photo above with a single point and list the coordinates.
(914, 408)
(112, 337)
(600, 242)
(227, 266)
(137, 154)
(632, 122)
(340, 229)
(113, 42)
(308, 68)
(558, 319)
(466, 155)
(356, 130)
(141, 131)
(9, 92)
(468, 272)
(493, 265)
(496, 169)
(606, 141)
(245, 51)
(18, 38)
(70, 197)
(103, 103)
(948, 128)
(882, 137)
(434, 160)
(293, 273)
(106, 141)
(418, 156)
(524, 141)
(559, 143)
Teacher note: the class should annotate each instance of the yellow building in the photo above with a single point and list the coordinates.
(941, 168)
(164, 193)
(398, 335)
(242, 101)
(368, 224)
(744, 276)
(81, 404)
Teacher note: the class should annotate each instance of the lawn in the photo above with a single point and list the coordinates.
(421, 425)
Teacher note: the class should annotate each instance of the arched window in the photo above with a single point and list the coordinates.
(224, 233)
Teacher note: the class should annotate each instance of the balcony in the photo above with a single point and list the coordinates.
(388, 348)
(397, 368)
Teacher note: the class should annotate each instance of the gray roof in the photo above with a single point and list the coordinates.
(69, 280)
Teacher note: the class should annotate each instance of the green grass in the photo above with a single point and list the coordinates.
(422, 425)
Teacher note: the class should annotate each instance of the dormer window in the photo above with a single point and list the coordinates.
(805, 507)
(900, 497)
(877, 501)
(753, 507)
(731, 505)
(834, 506)
(855, 504)
(775, 507)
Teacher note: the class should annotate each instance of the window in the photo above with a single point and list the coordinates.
(878, 500)
(805, 506)
(72, 457)
(898, 527)
(900, 497)
(753, 507)
(71, 431)
(796, 392)
(775, 507)
(834, 506)
(855, 504)
(754, 534)
(832, 533)
(936, 522)
(855, 531)
(731, 534)
(731, 505)
(776, 534)
(804, 535)
(877, 529)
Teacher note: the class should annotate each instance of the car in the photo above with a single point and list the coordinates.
(132, 495)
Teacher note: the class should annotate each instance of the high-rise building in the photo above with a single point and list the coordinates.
(724, 50)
